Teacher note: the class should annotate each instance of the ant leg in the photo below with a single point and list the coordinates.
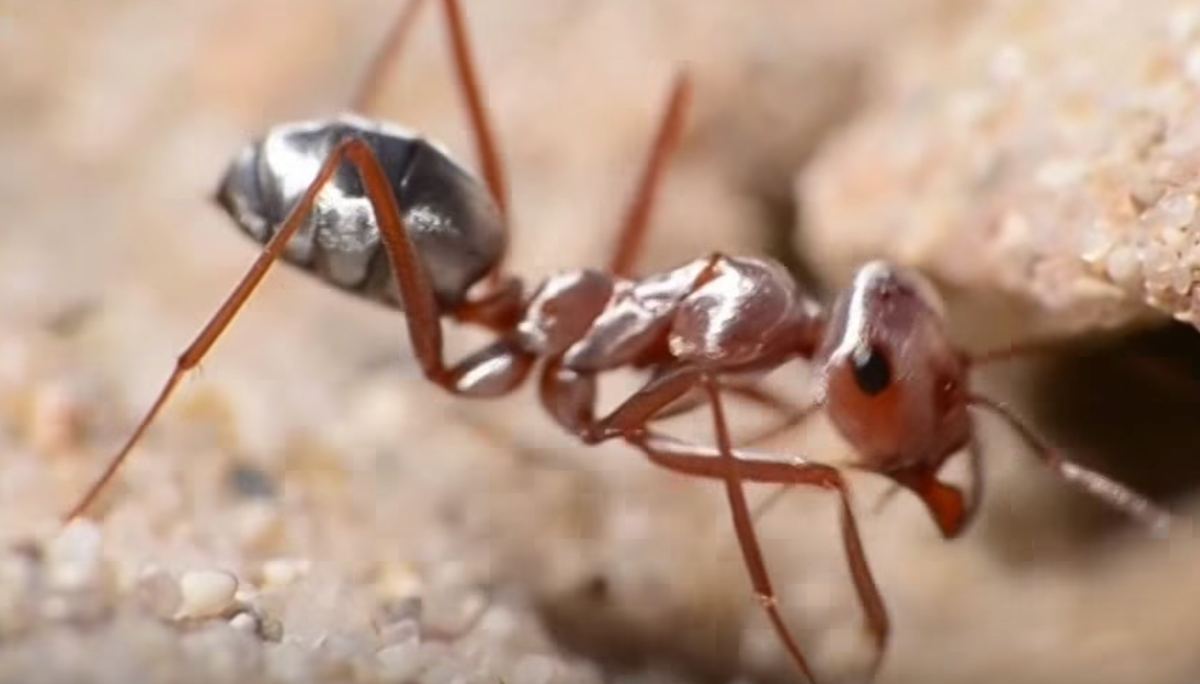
(664, 396)
(1109, 491)
(659, 398)
(768, 503)
(632, 415)
(636, 221)
(468, 81)
(365, 98)
(747, 538)
(421, 309)
(793, 415)
(569, 396)
(472, 92)
(707, 462)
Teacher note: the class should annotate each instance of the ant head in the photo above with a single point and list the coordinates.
(890, 379)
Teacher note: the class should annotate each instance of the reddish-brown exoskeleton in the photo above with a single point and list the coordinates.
(387, 215)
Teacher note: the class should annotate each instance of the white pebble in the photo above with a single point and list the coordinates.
(281, 572)
(74, 556)
(1122, 265)
(244, 622)
(1096, 242)
(206, 593)
(399, 581)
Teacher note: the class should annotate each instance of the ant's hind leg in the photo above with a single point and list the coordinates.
(636, 222)
(421, 308)
(384, 63)
(481, 124)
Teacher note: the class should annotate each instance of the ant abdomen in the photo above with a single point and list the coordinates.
(891, 381)
(454, 223)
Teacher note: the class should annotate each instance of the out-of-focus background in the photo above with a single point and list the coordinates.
(308, 509)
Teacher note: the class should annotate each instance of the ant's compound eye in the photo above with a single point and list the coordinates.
(872, 371)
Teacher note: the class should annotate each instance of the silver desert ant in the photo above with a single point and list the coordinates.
(385, 214)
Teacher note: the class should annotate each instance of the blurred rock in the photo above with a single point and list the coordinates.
(1041, 164)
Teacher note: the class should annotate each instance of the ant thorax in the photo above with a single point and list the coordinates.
(717, 312)
(596, 321)
(888, 375)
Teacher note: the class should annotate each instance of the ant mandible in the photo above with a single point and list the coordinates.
(388, 215)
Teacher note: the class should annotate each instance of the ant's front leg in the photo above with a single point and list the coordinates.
(735, 465)
(570, 396)
(670, 393)
(743, 524)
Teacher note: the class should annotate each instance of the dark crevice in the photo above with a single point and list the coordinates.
(1128, 407)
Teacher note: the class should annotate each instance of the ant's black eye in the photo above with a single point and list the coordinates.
(872, 371)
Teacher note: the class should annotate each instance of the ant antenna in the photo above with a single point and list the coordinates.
(1014, 350)
(1109, 491)
(367, 95)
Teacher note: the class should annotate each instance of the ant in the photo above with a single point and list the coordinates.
(388, 215)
